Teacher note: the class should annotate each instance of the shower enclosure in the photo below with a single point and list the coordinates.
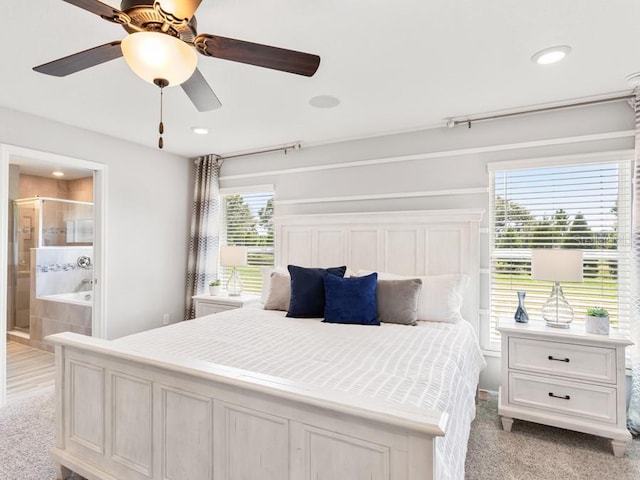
(39, 223)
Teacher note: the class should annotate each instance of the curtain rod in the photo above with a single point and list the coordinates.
(468, 121)
(285, 149)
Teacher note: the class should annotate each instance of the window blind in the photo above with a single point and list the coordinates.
(247, 220)
(584, 206)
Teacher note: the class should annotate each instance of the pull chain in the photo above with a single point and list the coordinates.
(161, 126)
(161, 83)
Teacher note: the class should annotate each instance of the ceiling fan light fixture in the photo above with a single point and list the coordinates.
(156, 55)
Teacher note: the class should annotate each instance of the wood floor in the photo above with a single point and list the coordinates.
(29, 370)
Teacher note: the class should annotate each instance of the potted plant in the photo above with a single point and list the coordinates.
(597, 321)
(214, 287)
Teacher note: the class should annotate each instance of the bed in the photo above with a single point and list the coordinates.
(252, 394)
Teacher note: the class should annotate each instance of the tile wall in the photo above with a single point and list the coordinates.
(54, 271)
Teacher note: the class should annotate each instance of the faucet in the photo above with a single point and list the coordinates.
(87, 281)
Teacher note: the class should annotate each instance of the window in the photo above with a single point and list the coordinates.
(570, 202)
(247, 220)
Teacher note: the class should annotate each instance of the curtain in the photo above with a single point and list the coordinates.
(633, 416)
(202, 263)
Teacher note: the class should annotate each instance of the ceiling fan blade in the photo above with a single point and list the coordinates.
(179, 9)
(105, 11)
(81, 60)
(256, 54)
(200, 93)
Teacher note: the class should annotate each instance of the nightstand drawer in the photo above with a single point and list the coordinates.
(203, 309)
(580, 362)
(209, 304)
(569, 398)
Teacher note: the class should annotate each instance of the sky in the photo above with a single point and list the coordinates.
(588, 189)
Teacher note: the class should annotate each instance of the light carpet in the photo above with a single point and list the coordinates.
(529, 452)
(538, 452)
(26, 435)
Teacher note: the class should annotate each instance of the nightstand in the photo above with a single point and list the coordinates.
(565, 378)
(208, 304)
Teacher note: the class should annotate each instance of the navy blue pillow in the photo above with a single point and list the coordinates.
(351, 300)
(307, 290)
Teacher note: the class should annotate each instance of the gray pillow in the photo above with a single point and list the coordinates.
(279, 292)
(398, 300)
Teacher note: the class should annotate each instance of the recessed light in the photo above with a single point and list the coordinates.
(57, 173)
(551, 55)
(324, 101)
(200, 130)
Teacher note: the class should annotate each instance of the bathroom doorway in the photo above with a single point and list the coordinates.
(51, 248)
(50, 266)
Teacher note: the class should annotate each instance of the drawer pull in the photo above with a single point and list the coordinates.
(551, 357)
(566, 397)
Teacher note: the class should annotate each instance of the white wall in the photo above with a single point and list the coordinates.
(148, 216)
(450, 163)
(149, 192)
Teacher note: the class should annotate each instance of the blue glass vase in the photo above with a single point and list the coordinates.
(521, 315)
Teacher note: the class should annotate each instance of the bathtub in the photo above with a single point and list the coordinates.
(77, 298)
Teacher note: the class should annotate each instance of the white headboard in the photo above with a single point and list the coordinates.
(427, 242)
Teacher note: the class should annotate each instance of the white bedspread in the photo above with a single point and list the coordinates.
(434, 365)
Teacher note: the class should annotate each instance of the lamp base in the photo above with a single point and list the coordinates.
(556, 324)
(556, 311)
(234, 285)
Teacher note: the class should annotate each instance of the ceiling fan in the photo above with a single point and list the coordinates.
(174, 21)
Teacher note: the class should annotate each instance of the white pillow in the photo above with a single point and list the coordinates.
(441, 296)
(349, 273)
(266, 280)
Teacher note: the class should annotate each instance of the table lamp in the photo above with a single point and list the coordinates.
(232, 256)
(557, 265)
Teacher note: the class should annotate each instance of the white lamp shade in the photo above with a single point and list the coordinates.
(153, 55)
(556, 264)
(231, 256)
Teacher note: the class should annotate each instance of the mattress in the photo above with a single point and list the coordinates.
(433, 365)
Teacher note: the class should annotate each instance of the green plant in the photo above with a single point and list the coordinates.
(214, 283)
(597, 312)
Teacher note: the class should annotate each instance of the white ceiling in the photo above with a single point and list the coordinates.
(394, 65)
(39, 168)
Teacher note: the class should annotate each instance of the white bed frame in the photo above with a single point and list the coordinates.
(129, 416)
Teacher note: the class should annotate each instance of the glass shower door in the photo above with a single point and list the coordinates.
(25, 235)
